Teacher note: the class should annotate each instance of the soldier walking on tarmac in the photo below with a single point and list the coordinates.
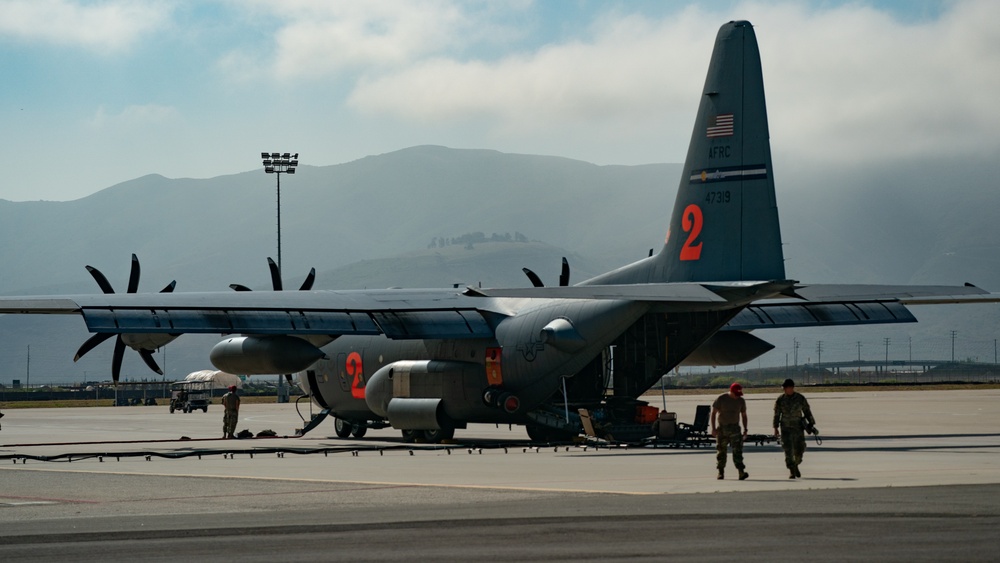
(792, 416)
(231, 404)
(730, 409)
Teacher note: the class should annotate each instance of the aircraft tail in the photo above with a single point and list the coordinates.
(725, 221)
(724, 226)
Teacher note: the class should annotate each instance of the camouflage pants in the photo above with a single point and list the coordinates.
(729, 434)
(229, 422)
(793, 441)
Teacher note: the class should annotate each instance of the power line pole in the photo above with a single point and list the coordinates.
(953, 334)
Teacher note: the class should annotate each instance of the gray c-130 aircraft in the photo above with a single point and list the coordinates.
(430, 361)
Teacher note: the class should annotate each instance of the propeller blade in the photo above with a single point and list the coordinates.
(92, 343)
(564, 274)
(239, 287)
(288, 378)
(170, 287)
(147, 356)
(102, 281)
(116, 359)
(275, 274)
(133, 276)
(308, 283)
(535, 280)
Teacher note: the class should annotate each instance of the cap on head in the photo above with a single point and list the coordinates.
(232, 388)
(736, 389)
(788, 383)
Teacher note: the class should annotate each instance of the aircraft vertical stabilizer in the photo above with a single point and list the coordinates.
(724, 226)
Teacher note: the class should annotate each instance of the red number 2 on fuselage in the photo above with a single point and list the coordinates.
(691, 222)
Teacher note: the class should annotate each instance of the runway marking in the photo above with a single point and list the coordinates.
(375, 484)
(22, 500)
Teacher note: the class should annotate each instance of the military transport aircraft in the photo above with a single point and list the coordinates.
(429, 361)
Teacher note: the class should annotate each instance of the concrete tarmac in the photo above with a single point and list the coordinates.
(907, 475)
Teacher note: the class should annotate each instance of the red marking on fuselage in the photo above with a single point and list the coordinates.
(353, 367)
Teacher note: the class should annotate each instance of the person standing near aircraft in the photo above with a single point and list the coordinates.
(792, 415)
(729, 409)
(231, 404)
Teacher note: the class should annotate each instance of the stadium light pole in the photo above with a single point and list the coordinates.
(279, 163)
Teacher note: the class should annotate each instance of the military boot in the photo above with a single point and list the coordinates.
(795, 471)
(743, 475)
(722, 475)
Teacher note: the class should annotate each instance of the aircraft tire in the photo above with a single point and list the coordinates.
(343, 428)
(410, 436)
(359, 430)
(439, 435)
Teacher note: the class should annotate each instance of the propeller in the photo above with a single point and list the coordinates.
(119, 352)
(276, 279)
(537, 281)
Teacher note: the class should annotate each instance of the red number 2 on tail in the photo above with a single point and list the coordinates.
(691, 222)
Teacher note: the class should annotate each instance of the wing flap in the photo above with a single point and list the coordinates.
(212, 321)
(789, 315)
(402, 325)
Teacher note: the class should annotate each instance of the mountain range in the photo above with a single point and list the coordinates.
(433, 216)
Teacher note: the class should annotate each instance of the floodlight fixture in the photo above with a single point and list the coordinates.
(278, 164)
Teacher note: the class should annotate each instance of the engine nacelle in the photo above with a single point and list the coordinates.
(416, 414)
(424, 394)
(147, 341)
(259, 355)
(728, 348)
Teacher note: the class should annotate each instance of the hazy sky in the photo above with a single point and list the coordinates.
(99, 92)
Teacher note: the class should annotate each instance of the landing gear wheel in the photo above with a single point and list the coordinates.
(204, 409)
(359, 430)
(343, 428)
(409, 436)
(438, 436)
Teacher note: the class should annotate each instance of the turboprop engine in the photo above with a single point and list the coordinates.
(426, 394)
(257, 355)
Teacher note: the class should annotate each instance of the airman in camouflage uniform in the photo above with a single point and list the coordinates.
(231, 404)
(729, 408)
(791, 413)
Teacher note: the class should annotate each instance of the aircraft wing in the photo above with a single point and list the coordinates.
(472, 313)
(395, 313)
(831, 305)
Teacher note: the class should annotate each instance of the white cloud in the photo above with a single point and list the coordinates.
(135, 116)
(314, 39)
(845, 83)
(633, 67)
(853, 83)
(104, 26)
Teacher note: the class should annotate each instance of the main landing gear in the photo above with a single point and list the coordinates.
(346, 428)
(428, 436)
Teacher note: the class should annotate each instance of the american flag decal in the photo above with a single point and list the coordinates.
(720, 126)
